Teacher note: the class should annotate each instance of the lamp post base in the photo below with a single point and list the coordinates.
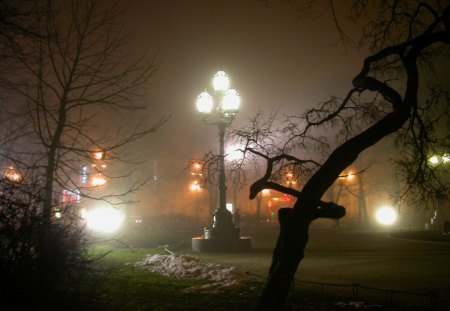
(223, 236)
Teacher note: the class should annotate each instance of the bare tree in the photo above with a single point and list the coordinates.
(398, 90)
(17, 21)
(72, 90)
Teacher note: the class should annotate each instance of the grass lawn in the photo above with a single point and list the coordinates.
(116, 284)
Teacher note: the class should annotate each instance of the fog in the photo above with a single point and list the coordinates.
(276, 60)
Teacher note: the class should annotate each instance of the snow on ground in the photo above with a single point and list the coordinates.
(190, 267)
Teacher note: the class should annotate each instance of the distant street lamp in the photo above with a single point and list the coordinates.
(440, 164)
(12, 175)
(290, 179)
(227, 103)
(386, 216)
(99, 155)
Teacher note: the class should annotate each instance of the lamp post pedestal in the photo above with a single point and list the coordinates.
(223, 227)
(222, 236)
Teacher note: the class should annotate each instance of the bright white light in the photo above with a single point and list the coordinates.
(445, 159)
(434, 160)
(232, 153)
(221, 81)
(386, 216)
(103, 219)
(231, 101)
(204, 102)
(229, 207)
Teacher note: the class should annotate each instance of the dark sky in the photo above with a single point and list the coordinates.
(275, 60)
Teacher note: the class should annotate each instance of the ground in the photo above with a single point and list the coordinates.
(355, 270)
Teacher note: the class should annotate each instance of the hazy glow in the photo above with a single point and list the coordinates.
(232, 153)
(347, 176)
(195, 186)
(445, 158)
(231, 100)
(197, 166)
(12, 175)
(99, 155)
(103, 219)
(221, 81)
(434, 160)
(229, 207)
(386, 216)
(98, 180)
(266, 192)
(350, 176)
(204, 102)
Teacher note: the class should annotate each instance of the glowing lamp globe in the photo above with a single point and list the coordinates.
(221, 81)
(205, 102)
(231, 101)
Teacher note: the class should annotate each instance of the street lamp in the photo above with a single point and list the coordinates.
(12, 175)
(227, 103)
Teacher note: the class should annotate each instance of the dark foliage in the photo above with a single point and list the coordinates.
(34, 263)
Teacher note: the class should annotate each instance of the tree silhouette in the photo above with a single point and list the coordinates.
(67, 86)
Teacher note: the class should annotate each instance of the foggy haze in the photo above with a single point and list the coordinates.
(277, 62)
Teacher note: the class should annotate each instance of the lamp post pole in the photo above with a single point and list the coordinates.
(222, 179)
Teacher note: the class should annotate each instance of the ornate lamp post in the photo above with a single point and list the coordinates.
(226, 101)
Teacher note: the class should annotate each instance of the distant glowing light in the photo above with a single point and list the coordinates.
(266, 192)
(98, 180)
(99, 155)
(195, 186)
(104, 219)
(347, 176)
(386, 216)
(197, 166)
(445, 159)
(434, 160)
(229, 207)
(12, 175)
(233, 153)
(437, 159)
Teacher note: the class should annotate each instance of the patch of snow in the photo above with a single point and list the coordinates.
(190, 267)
